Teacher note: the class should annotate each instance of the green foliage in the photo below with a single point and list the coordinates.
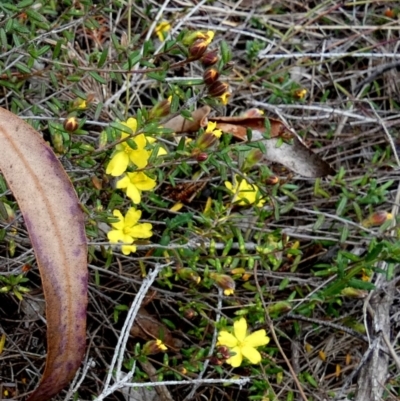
(300, 247)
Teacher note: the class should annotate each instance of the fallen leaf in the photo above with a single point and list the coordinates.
(296, 156)
(147, 327)
(55, 224)
(181, 124)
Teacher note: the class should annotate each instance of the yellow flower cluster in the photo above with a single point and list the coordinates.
(124, 156)
(127, 229)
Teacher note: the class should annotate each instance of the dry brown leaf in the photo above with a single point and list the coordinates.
(55, 224)
(296, 157)
(147, 327)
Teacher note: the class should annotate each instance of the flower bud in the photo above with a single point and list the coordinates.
(189, 274)
(225, 282)
(197, 49)
(161, 109)
(223, 352)
(300, 93)
(71, 124)
(376, 219)
(182, 370)
(210, 76)
(202, 157)
(272, 180)
(209, 58)
(215, 361)
(279, 307)
(218, 88)
(191, 37)
(252, 158)
(190, 314)
(58, 142)
(205, 140)
(6, 213)
(153, 347)
(351, 292)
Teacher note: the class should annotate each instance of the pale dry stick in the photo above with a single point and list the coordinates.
(388, 136)
(391, 350)
(274, 336)
(124, 383)
(333, 56)
(76, 383)
(378, 365)
(354, 373)
(329, 110)
(125, 331)
(212, 347)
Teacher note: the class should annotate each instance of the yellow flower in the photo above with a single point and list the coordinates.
(241, 344)
(225, 98)
(127, 230)
(154, 347)
(135, 183)
(80, 104)
(162, 29)
(211, 129)
(161, 150)
(244, 193)
(124, 154)
(191, 37)
(207, 37)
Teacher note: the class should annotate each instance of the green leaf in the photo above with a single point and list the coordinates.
(103, 57)
(157, 76)
(97, 77)
(179, 221)
(361, 285)
(226, 53)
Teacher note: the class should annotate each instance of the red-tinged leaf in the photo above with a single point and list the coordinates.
(55, 223)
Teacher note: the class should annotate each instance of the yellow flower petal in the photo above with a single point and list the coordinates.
(133, 193)
(161, 151)
(235, 360)
(211, 126)
(131, 123)
(119, 225)
(115, 236)
(229, 185)
(127, 249)
(225, 338)
(118, 164)
(139, 157)
(161, 345)
(140, 141)
(251, 354)
(142, 181)
(178, 206)
(132, 217)
(141, 230)
(240, 329)
(123, 182)
(257, 339)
